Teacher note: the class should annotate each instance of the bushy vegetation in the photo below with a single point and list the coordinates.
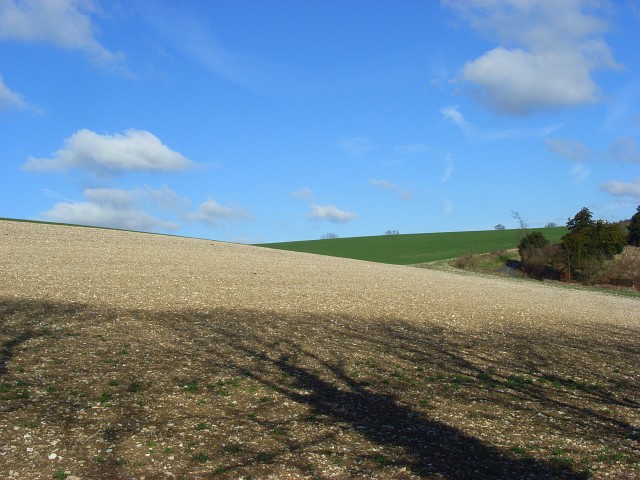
(585, 253)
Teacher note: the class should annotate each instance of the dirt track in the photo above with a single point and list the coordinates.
(125, 355)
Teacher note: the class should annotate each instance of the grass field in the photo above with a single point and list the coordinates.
(416, 248)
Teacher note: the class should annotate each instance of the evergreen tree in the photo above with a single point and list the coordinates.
(634, 229)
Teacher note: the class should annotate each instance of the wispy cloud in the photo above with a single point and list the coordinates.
(625, 149)
(188, 35)
(331, 213)
(10, 99)
(357, 146)
(64, 23)
(623, 189)
(474, 132)
(579, 172)
(448, 207)
(135, 150)
(547, 54)
(403, 193)
(412, 149)
(304, 192)
(212, 213)
(568, 148)
(448, 169)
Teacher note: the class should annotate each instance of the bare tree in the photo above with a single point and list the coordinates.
(521, 222)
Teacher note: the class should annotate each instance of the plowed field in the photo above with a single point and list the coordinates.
(127, 356)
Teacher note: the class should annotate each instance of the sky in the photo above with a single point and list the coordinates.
(257, 121)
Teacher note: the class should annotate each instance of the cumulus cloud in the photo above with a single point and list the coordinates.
(212, 213)
(403, 193)
(330, 213)
(65, 23)
(623, 189)
(626, 149)
(568, 148)
(548, 53)
(107, 207)
(135, 150)
(10, 99)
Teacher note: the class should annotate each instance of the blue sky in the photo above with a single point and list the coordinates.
(264, 121)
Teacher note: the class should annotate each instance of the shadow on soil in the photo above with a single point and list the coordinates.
(309, 360)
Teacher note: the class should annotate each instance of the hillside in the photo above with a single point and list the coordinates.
(416, 248)
(129, 355)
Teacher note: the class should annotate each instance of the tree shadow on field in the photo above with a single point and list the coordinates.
(309, 360)
(430, 448)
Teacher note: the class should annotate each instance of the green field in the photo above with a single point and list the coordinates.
(416, 248)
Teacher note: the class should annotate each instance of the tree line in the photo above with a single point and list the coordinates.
(584, 252)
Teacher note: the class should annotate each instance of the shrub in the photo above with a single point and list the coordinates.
(544, 262)
(469, 261)
(623, 271)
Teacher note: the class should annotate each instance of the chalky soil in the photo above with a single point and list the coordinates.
(129, 355)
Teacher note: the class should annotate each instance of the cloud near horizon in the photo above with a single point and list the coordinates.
(212, 213)
(548, 53)
(330, 213)
(65, 23)
(135, 150)
(623, 189)
(108, 207)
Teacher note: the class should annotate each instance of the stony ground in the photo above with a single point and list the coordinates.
(130, 356)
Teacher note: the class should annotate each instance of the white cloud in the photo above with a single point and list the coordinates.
(65, 23)
(472, 131)
(357, 146)
(548, 54)
(623, 189)
(135, 150)
(626, 149)
(331, 213)
(107, 207)
(304, 192)
(568, 148)
(212, 213)
(10, 99)
(392, 187)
